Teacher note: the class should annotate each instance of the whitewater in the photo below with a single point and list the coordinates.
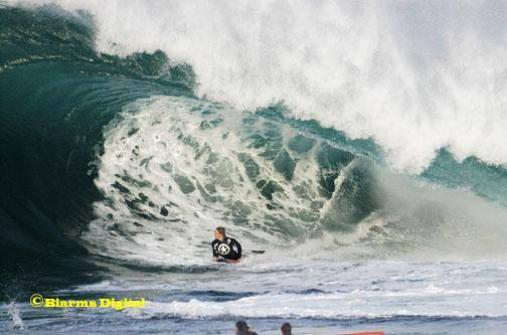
(361, 145)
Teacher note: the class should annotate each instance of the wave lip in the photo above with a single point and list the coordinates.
(425, 76)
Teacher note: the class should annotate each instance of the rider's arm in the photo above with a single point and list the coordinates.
(215, 254)
(239, 249)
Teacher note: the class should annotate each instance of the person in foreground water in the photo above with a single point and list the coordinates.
(286, 329)
(225, 249)
(243, 329)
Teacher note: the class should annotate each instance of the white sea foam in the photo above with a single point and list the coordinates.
(299, 289)
(414, 76)
(165, 154)
(373, 302)
(14, 313)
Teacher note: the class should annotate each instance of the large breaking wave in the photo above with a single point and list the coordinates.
(116, 156)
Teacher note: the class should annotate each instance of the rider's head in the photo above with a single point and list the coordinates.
(220, 233)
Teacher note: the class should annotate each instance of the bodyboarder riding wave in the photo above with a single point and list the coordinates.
(225, 249)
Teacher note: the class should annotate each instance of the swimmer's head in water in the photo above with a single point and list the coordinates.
(220, 233)
(286, 329)
(242, 328)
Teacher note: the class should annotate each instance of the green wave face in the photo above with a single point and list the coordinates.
(56, 95)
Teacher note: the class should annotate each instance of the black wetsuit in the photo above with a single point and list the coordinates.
(229, 248)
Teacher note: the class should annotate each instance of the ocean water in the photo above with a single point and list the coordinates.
(361, 145)
(319, 297)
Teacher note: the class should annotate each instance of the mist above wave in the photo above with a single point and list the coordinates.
(415, 77)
